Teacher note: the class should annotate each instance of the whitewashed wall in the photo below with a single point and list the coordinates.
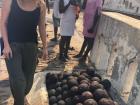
(0, 3)
(116, 54)
(128, 6)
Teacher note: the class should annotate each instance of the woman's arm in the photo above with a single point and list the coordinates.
(4, 17)
(42, 30)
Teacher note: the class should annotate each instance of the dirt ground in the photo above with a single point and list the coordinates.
(52, 64)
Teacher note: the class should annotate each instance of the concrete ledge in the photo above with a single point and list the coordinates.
(116, 53)
(124, 18)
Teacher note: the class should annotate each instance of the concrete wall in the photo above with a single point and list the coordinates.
(128, 6)
(116, 53)
(0, 3)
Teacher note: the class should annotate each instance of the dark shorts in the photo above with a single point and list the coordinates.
(56, 21)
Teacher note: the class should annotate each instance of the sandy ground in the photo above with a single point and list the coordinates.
(52, 64)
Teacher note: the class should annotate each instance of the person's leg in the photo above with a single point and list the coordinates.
(29, 53)
(90, 42)
(55, 29)
(62, 48)
(68, 39)
(55, 32)
(16, 75)
(90, 45)
(84, 45)
(56, 24)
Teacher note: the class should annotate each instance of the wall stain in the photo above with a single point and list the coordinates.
(138, 76)
(115, 73)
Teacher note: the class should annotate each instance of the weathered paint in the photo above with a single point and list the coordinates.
(116, 54)
(127, 6)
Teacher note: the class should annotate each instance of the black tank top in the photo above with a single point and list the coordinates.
(21, 26)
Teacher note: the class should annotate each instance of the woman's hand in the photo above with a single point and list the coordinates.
(45, 53)
(7, 52)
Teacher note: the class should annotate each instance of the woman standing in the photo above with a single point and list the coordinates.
(19, 22)
(90, 23)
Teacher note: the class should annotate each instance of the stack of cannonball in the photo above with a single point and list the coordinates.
(78, 88)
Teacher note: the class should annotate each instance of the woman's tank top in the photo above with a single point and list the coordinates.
(21, 26)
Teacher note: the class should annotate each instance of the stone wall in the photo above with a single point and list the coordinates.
(127, 6)
(116, 54)
(0, 3)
